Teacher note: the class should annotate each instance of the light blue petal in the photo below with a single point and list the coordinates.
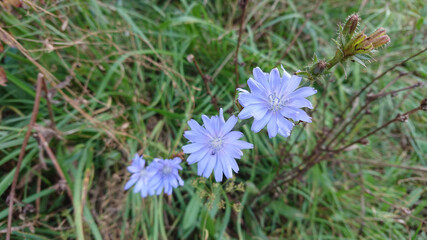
(288, 113)
(212, 159)
(201, 166)
(131, 182)
(272, 126)
(216, 125)
(221, 115)
(274, 80)
(286, 76)
(284, 123)
(135, 158)
(226, 165)
(176, 160)
(133, 169)
(246, 112)
(260, 112)
(218, 171)
(226, 128)
(199, 155)
(300, 103)
(173, 182)
(208, 124)
(292, 85)
(246, 99)
(243, 145)
(257, 88)
(195, 136)
(196, 127)
(233, 151)
(260, 124)
(138, 186)
(261, 77)
(300, 115)
(193, 147)
(232, 136)
(155, 181)
(303, 92)
(144, 192)
(234, 165)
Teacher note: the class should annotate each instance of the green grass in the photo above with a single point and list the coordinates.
(129, 74)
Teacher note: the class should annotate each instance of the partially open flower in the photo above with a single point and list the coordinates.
(362, 44)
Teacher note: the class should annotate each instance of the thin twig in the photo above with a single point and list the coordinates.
(419, 84)
(55, 163)
(49, 105)
(22, 153)
(205, 79)
(399, 117)
(350, 103)
(317, 156)
(243, 4)
(369, 100)
(308, 17)
(381, 164)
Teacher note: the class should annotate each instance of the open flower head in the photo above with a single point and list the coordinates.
(166, 175)
(140, 175)
(214, 146)
(274, 100)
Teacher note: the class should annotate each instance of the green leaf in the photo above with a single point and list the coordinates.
(192, 212)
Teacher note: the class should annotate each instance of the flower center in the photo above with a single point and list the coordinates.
(166, 170)
(216, 144)
(276, 102)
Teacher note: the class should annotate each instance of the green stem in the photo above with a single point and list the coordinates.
(334, 61)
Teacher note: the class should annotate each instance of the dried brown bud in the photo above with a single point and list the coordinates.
(402, 118)
(319, 67)
(424, 104)
(351, 25)
(242, 3)
(364, 141)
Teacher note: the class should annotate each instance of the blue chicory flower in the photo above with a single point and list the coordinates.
(215, 146)
(274, 100)
(166, 175)
(140, 175)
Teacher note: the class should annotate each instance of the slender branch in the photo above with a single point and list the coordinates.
(55, 163)
(22, 153)
(381, 164)
(356, 118)
(317, 156)
(399, 117)
(205, 79)
(350, 103)
(369, 99)
(308, 17)
(243, 4)
(419, 84)
(49, 105)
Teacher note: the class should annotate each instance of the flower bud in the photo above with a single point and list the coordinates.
(378, 42)
(423, 104)
(378, 33)
(351, 25)
(319, 67)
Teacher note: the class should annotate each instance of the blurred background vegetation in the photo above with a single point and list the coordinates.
(120, 83)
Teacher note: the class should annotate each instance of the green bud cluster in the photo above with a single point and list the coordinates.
(351, 44)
